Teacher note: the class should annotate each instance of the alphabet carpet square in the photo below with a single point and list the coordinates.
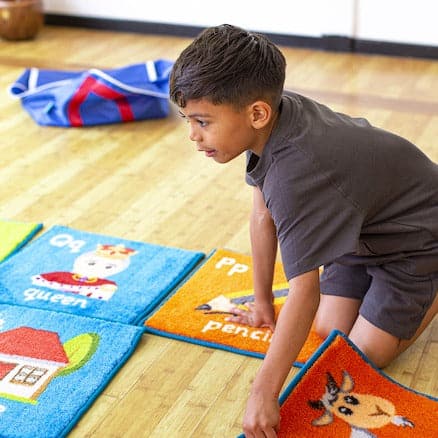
(196, 312)
(339, 393)
(73, 271)
(14, 235)
(53, 366)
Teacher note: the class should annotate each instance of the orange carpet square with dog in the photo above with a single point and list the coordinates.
(340, 393)
(197, 311)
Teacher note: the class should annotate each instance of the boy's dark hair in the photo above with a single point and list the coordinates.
(227, 64)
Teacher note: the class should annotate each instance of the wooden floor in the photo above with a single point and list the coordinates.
(145, 181)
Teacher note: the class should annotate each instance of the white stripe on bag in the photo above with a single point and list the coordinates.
(152, 72)
(33, 78)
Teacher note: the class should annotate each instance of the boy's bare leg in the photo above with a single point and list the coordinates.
(380, 346)
(336, 313)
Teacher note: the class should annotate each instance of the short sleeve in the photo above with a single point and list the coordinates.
(316, 222)
(251, 162)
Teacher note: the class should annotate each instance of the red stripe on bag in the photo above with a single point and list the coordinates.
(92, 85)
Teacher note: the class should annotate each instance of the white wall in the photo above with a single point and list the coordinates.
(408, 21)
(293, 17)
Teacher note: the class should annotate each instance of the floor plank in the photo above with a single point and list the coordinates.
(144, 181)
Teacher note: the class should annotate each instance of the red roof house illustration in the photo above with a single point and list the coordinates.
(29, 359)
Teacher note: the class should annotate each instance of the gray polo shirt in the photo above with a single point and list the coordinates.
(339, 189)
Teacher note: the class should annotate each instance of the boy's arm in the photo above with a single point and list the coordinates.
(264, 251)
(292, 329)
(264, 248)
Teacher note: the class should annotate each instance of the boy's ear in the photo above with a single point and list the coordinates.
(260, 114)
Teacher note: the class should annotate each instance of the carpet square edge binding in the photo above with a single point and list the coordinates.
(405, 426)
(209, 274)
(323, 347)
(222, 280)
(188, 339)
(189, 270)
(67, 348)
(51, 282)
(194, 341)
(26, 230)
(105, 384)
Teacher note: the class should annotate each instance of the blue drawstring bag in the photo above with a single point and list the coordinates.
(95, 97)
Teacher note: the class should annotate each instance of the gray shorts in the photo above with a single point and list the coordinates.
(392, 299)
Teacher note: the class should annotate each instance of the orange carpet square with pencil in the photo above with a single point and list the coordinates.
(197, 311)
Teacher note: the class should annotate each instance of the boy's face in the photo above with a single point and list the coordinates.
(220, 131)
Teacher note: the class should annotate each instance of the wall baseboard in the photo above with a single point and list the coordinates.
(325, 42)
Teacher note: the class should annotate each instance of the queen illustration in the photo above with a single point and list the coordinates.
(90, 272)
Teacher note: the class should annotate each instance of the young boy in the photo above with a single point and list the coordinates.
(332, 191)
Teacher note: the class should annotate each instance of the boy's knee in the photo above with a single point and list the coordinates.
(380, 347)
(380, 359)
(335, 313)
(324, 324)
(322, 328)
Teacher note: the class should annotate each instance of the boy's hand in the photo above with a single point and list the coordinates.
(257, 315)
(262, 416)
